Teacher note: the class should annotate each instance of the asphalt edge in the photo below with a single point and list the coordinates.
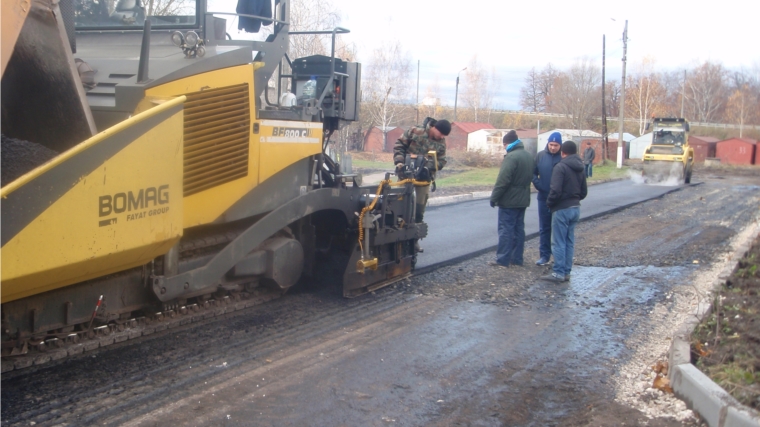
(431, 267)
(715, 405)
(479, 195)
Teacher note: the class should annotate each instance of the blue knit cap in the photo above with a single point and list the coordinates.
(555, 137)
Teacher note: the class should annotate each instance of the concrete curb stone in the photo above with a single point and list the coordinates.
(715, 405)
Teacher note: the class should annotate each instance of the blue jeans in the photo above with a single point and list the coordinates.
(563, 238)
(589, 170)
(545, 230)
(511, 236)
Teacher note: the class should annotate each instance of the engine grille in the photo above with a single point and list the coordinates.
(217, 123)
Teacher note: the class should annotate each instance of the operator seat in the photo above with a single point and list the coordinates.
(129, 12)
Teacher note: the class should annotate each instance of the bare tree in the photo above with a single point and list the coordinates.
(308, 15)
(531, 98)
(644, 94)
(535, 95)
(738, 108)
(386, 86)
(478, 90)
(431, 103)
(612, 93)
(169, 7)
(706, 91)
(576, 92)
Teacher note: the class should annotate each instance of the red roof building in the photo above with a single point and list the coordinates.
(737, 151)
(375, 142)
(527, 133)
(704, 147)
(457, 139)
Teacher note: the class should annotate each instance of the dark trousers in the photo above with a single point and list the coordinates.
(545, 230)
(589, 170)
(511, 236)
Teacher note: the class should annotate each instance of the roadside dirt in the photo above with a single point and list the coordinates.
(726, 345)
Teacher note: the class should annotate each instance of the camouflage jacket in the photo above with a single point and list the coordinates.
(416, 141)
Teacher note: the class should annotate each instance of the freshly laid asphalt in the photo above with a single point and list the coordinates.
(462, 230)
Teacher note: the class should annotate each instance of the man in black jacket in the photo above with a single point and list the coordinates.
(567, 189)
(512, 195)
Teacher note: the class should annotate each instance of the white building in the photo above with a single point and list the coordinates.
(486, 141)
(627, 137)
(638, 145)
(567, 135)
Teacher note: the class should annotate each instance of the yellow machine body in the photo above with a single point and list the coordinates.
(112, 202)
(280, 143)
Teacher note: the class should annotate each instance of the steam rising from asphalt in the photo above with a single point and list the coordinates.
(667, 174)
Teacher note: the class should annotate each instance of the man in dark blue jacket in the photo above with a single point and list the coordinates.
(542, 178)
(567, 189)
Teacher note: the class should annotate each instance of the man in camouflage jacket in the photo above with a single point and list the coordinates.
(420, 140)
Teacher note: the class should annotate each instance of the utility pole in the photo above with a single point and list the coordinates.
(622, 101)
(417, 107)
(456, 94)
(604, 106)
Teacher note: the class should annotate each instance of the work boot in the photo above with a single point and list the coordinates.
(542, 261)
(553, 278)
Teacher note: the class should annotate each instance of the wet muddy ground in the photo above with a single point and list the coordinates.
(467, 344)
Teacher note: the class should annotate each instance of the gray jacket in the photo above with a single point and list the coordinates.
(589, 154)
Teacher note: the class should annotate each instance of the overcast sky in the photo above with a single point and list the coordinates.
(514, 36)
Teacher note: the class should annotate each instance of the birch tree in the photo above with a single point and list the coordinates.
(478, 90)
(644, 94)
(386, 86)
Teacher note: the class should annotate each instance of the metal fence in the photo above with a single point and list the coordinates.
(632, 120)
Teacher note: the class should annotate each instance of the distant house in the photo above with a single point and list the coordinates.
(457, 139)
(567, 135)
(375, 141)
(704, 147)
(736, 151)
(489, 141)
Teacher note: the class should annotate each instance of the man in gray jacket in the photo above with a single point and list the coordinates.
(589, 154)
(512, 194)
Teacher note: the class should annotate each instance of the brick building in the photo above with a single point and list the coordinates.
(375, 142)
(457, 139)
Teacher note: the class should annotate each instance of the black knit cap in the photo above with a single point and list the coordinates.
(569, 147)
(510, 137)
(443, 126)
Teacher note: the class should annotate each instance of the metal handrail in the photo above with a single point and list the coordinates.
(263, 18)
